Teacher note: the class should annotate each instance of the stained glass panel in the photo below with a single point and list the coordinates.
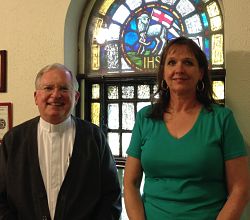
(140, 105)
(128, 116)
(193, 24)
(126, 137)
(95, 91)
(113, 92)
(148, 1)
(127, 92)
(169, 2)
(185, 7)
(132, 4)
(217, 49)
(114, 140)
(204, 19)
(114, 32)
(121, 14)
(219, 90)
(213, 10)
(131, 35)
(113, 116)
(216, 23)
(95, 113)
(112, 56)
(95, 57)
(143, 92)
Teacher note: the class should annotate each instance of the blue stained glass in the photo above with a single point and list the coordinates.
(196, 1)
(133, 25)
(131, 38)
(206, 48)
(204, 19)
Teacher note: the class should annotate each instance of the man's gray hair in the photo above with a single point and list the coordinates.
(55, 66)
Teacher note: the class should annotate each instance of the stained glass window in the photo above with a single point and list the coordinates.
(128, 36)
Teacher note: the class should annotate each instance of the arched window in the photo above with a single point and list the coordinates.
(123, 44)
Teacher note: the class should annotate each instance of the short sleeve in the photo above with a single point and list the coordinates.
(233, 142)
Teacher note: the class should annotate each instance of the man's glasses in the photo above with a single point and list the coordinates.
(50, 89)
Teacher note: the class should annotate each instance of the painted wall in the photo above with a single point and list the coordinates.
(32, 32)
(36, 33)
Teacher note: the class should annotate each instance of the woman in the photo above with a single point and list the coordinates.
(189, 148)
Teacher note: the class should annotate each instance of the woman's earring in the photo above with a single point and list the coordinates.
(200, 86)
(164, 85)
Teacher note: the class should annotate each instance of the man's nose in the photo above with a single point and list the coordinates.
(56, 92)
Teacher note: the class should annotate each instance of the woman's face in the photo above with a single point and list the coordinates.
(181, 70)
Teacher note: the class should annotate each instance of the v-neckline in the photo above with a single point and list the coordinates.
(188, 132)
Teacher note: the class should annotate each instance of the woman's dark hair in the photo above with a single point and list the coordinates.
(203, 95)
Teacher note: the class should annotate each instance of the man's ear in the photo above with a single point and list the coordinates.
(35, 94)
(77, 96)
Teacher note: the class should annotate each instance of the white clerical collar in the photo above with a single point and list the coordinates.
(55, 128)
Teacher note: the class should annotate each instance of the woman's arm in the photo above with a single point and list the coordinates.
(238, 184)
(132, 181)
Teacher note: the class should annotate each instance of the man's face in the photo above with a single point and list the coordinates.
(55, 96)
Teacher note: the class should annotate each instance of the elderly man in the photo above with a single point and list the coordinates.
(57, 166)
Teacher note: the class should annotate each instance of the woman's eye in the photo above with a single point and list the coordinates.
(188, 62)
(171, 62)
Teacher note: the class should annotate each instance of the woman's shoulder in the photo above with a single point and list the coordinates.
(220, 110)
(145, 111)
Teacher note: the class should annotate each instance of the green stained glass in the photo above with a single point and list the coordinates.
(113, 116)
(95, 113)
(127, 92)
(143, 92)
(95, 91)
(113, 140)
(128, 116)
(113, 92)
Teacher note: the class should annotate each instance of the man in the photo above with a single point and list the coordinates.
(57, 166)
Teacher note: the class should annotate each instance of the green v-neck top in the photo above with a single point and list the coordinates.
(185, 177)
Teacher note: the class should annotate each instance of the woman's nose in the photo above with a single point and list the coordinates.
(179, 67)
